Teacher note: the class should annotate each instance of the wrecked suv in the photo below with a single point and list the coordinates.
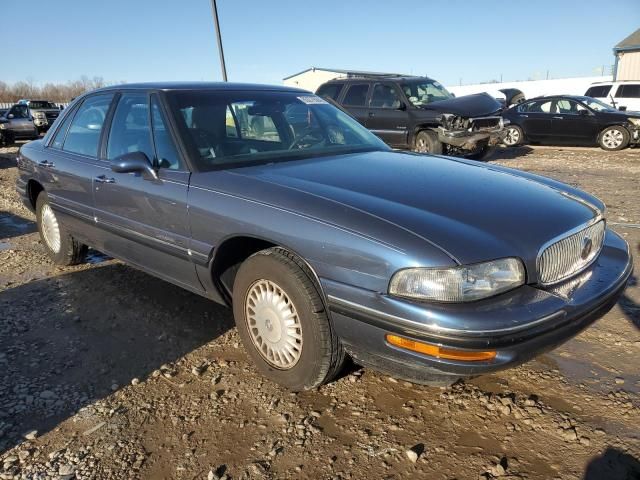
(418, 113)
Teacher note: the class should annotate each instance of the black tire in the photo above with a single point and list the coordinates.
(70, 252)
(427, 141)
(321, 354)
(614, 138)
(513, 139)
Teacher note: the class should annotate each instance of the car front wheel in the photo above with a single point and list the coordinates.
(614, 138)
(514, 136)
(61, 247)
(427, 141)
(283, 323)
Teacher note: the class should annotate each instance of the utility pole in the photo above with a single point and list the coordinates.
(214, 7)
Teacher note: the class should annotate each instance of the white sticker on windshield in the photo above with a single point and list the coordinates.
(311, 100)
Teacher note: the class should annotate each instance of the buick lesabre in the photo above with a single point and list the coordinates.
(323, 241)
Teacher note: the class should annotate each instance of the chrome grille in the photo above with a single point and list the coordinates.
(570, 254)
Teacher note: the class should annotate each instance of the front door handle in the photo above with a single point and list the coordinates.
(523, 116)
(47, 164)
(104, 179)
(558, 118)
(371, 114)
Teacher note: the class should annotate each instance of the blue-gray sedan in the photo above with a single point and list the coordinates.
(323, 241)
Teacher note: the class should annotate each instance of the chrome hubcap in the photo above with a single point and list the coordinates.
(50, 228)
(612, 138)
(512, 137)
(421, 145)
(274, 325)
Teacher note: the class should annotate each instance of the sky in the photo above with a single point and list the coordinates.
(453, 41)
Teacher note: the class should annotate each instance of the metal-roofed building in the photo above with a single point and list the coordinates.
(627, 54)
(311, 78)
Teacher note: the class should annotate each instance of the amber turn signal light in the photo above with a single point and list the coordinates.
(440, 352)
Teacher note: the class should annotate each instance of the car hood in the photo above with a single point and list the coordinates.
(477, 105)
(473, 212)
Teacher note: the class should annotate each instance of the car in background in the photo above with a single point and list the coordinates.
(623, 95)
(571, 120)
(16, 123)
(323, 240)
(418, 113)
(44, 113)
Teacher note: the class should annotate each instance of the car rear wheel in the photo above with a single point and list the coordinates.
(514, 136)
(614, 138)
(283, 323)
(427, 142)
(61, 247)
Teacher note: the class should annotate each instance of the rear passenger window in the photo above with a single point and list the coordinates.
(130, 129)
(628, 91)
(86, 127)
(330, 90)
(58, 140)
(599, 91)
(356, 95)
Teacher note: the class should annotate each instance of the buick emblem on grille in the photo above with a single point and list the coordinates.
(587, 246)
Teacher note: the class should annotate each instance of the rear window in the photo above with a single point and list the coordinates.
(628, 91)
(356, 95)
(599, 91)
(330, 90)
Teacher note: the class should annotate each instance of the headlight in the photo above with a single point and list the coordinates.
(3, 126)
(635, 121)
(40, 115)
(458, 284)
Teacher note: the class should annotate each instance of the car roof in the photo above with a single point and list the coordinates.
(377, 78)
(572, 97)
(168, 86)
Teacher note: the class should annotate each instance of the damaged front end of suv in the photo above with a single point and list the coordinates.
(466, 126)
(464, 135)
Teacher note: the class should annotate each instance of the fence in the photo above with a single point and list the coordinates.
(7, 105)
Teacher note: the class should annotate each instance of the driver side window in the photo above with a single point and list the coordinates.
(130, 130)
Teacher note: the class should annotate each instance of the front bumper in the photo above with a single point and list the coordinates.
(471, 141)
(518, 325)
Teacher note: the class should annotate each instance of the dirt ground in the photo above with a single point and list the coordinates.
(106, 372)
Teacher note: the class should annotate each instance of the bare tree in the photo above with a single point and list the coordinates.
(56, 92)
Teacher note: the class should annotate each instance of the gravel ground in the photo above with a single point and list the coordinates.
(106, 372)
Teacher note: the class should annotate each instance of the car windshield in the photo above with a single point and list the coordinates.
(238, 128)
(597, 105)
(19, 111)
(38, 104)
(425, 91)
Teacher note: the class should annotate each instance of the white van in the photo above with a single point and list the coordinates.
(623, 94)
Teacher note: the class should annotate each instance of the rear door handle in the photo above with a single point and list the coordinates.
(371, 114)
(104, 179)
(558, 118)
(524, 116)
(47, 164)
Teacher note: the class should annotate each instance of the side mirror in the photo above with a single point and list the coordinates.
(10, 116)
(584, 113)
(622, 109)
(133, 162)
(402, 106)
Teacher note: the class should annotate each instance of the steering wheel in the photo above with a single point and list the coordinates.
(306, 133)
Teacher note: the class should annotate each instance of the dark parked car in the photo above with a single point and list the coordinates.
(323, 240)
(418, 113)
(16, 123)
(571, 120)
